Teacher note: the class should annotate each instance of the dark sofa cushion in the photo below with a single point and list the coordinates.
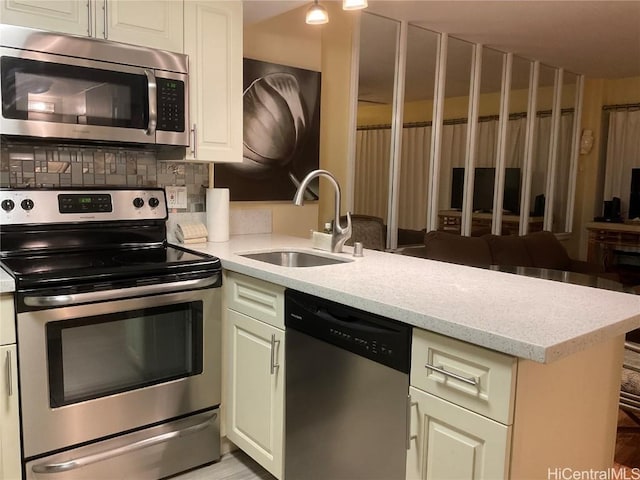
(448, 247)
(509, 250)
(546, 251)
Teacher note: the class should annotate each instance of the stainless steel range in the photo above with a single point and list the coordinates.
(118, 335)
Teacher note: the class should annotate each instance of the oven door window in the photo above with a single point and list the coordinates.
(69, 94)
(102, 355)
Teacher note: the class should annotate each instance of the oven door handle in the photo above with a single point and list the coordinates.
(76, 463)
(102, 295)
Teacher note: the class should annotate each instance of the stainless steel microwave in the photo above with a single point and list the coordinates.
(69, 87)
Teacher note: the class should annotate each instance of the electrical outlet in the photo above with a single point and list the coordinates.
(176, 196)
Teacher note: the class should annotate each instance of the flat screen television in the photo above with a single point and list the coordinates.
(483, 189)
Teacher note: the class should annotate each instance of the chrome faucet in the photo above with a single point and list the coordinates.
(339, 235)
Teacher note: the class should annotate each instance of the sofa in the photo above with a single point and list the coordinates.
(539, 249)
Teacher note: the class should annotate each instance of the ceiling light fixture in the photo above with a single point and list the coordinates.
(354, 4)
(317, 14)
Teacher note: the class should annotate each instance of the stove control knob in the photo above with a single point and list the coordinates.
(27, 204)
(138, 202)
(154, 202)
(8, 205)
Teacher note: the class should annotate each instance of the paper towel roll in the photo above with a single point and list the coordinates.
(217, 210)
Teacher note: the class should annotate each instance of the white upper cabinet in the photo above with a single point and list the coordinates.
(67, 16)
(213, 41)
(157, 24)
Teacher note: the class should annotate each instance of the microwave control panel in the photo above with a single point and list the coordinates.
(171, 105)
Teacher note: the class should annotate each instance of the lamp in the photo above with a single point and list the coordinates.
(317, 14)
(354, 4)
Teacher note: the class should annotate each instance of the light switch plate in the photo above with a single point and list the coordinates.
(176, 196)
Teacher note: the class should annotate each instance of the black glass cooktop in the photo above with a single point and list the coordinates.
(102, 265)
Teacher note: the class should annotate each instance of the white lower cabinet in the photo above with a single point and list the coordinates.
(480, 414)
(9, 414)
(448, 441)
(461, 401)
(254, 389)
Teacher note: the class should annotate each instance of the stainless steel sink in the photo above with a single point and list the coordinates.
(290, 258)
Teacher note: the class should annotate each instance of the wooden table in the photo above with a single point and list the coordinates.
(616, 246)
(450, 221)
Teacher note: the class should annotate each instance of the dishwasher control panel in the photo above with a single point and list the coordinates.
(366, 334)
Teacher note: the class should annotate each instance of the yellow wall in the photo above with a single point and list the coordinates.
(458, 107)
(597, 93)
(335, 104)
(287, 40)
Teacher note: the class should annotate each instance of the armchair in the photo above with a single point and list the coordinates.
(369, 230)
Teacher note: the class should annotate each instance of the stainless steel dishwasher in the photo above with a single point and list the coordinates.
(347, 382)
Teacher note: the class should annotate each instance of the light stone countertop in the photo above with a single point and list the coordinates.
(530, 318)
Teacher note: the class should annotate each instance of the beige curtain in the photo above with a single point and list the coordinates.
(623, 154)
(452, 155)
(414, 178)
(540, 160)
(487, 143)
(373, 147)
(516, 132)
(563, 165)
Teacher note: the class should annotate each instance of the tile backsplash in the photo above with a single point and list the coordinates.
(36, 165)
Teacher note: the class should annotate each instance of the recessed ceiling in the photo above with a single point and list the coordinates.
(600, 39)
(597, 38)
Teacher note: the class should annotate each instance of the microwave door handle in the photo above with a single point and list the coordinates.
(153, 102)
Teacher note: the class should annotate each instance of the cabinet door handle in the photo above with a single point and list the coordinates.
(89, 23)
(410, 437)
(274, 344)
(194, 147)
(9, 374)
(105, 22)
(471, 381)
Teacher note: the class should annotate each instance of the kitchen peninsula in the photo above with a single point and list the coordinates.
(525, 317)
(559, 343)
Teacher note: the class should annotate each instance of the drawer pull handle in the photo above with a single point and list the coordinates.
(471, 381)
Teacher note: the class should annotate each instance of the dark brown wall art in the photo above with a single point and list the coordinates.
(281, 133)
